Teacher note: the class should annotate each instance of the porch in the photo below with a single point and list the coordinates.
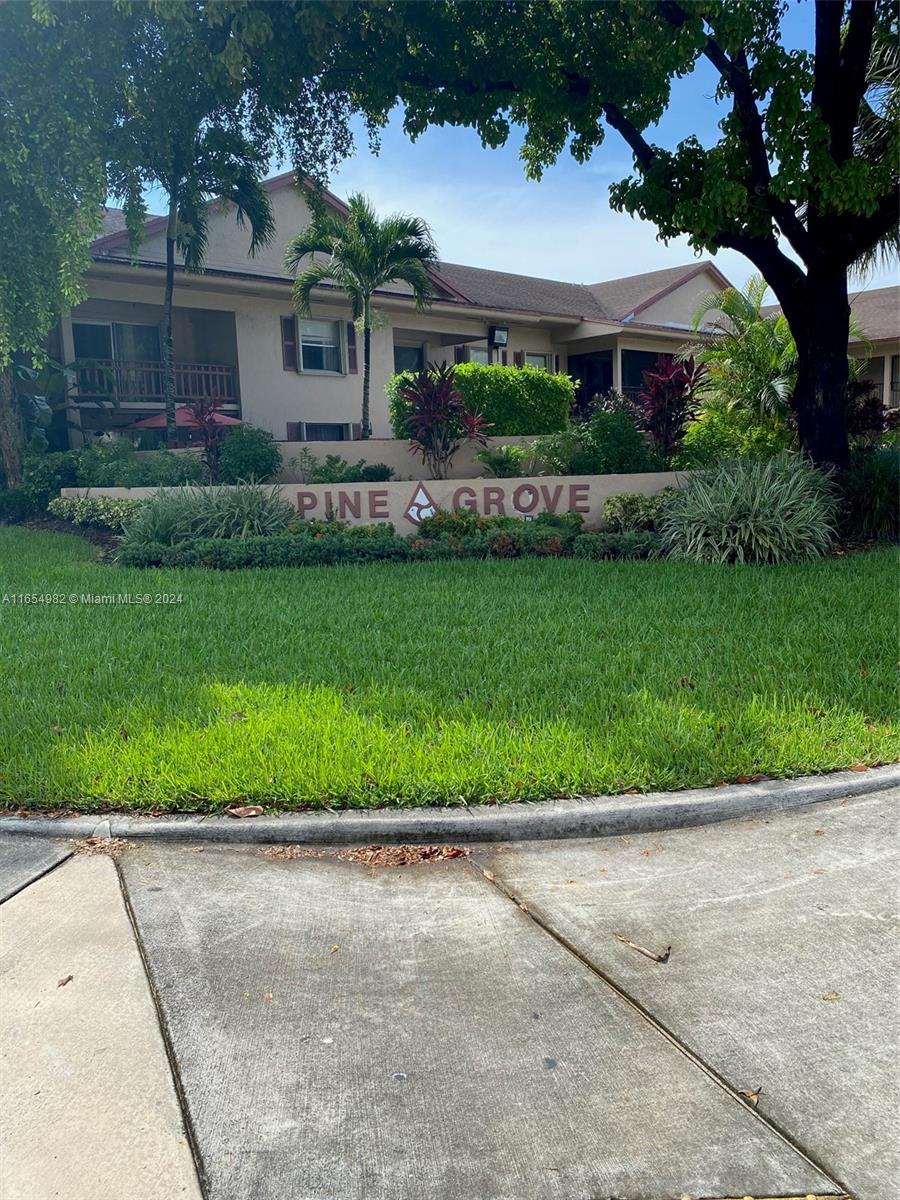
(116, 357)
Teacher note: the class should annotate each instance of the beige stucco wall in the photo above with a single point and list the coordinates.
(393, 453)
(362, 504)
(270, 396)
(679, 306)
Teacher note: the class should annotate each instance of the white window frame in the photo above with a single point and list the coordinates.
(421, 346)
(486, 361)
(341, 342)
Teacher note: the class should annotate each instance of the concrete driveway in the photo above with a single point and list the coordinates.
(188, 1020)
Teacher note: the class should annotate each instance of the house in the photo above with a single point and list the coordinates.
(875, 338)
(236, 337)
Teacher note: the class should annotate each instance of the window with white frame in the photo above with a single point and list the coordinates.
(538, 360)
(320, 346)
(479, 354)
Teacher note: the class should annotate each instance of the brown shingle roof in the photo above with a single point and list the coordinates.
(877, 312)
(619, 298)
(502, 289)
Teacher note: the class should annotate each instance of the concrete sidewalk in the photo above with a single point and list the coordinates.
(461, 1030)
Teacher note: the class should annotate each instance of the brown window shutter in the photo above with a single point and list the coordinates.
(518, 358)
(355, 431)
(290, 359)
(294, 431)
(352, 364)
(556, 361)
(460, 354)
(504, 358)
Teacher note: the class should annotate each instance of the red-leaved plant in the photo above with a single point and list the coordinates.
(204, 411)
(668, 402)
(439, 421)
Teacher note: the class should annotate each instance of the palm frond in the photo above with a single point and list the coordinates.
(192, 236)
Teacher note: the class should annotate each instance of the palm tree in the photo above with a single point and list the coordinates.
(751, 362)
(365, 253)
(220, 166)
(186, 132)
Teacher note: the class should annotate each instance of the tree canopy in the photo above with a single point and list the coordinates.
(803, 178)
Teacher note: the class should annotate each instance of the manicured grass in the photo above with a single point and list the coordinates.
(435, 682)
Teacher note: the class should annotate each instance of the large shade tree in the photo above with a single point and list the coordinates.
(803, 178)
(60, 83)
(363, 253)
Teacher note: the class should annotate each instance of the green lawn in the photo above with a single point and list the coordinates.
(435, 682)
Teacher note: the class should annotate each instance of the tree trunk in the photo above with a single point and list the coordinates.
(367, 362)
(168, 352)
(12, 432)
(820, 323)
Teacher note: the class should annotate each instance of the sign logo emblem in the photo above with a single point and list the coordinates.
(420, 506)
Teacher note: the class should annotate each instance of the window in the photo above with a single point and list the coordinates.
(320, 346)
(320, 432)
(479, 354)
(537, 360)
(92, 341)
(125, 343)
(894, 397)
(409, 358)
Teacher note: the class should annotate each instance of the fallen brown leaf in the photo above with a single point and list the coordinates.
(280, 852)
(820, 833)
(751, 1095)
(829, 996)
(267, 996)
(400, 856)
(65, 979)
(758, 777)
(245, 810)
(662, 957)
(859, 767)
(99, 845)
(334, 949)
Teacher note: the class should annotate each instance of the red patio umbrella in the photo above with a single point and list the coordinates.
(184, 419)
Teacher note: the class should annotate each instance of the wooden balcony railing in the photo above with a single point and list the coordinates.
(142, 382)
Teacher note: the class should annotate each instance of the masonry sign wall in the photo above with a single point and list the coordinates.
(406, 504)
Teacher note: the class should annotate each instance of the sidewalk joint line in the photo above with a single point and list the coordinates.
(168, 1045)
(37, 878)
(692, 1056)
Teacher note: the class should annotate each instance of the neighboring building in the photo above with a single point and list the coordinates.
(876, 315)
(236, 336)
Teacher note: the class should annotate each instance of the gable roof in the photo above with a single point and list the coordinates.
(624, 298)
(877, 312)
(614, 300)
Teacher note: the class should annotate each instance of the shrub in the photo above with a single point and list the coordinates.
(668, 401)
(15, 506)
(504, 462)
(869, 492)
(439, 420)
(117, 464)
(248, 510)
(633, 544)
(717, 437)
(335, 469)
(608, 443)
(751, 512)
(633, 511)
(45, 474)
(105, 512)
(512, 400)
(248, 454)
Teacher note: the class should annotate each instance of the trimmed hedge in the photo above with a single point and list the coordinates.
(105, 512)
(343, 547)
(514, 401)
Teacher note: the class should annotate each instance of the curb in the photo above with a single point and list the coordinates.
(591, 816)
